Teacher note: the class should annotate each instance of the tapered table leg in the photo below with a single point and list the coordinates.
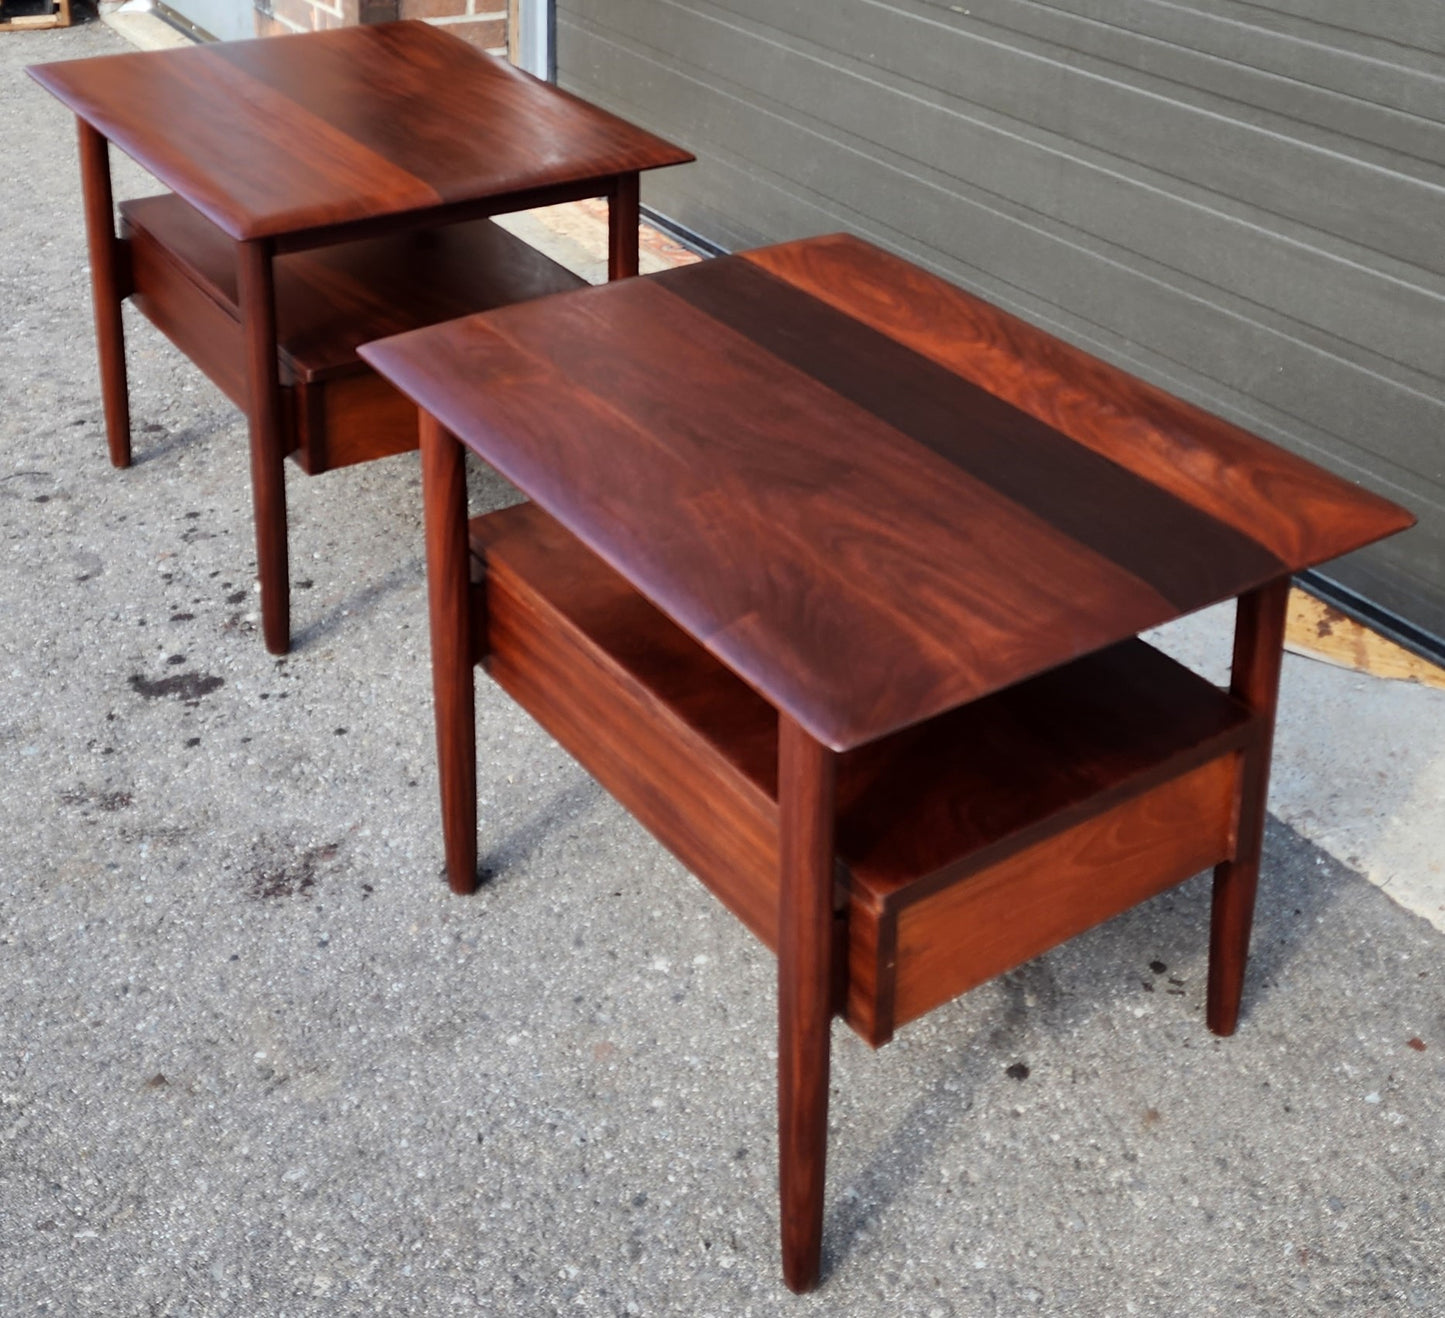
(1258, 651)
(109, 283)
(624, 215)
(806, 773)
(448, 575)
(268, 453)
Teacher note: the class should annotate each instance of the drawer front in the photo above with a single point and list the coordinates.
(995, 919)
(352, 418)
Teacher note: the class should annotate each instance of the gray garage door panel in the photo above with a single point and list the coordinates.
(1280, 266)
(1275, 167)
(1188, 322)
(1415, 23)
(1220, 46)
(1149, 199)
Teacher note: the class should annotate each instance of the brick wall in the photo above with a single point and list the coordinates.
(482, 22)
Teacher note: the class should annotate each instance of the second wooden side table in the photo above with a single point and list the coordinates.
(311, 178)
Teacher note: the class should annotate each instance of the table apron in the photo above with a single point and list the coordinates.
(450, 213)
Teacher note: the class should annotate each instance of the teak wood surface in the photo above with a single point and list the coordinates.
(352, 141)
(833, 575)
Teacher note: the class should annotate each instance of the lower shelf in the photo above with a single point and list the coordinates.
(966, 845)
(329, 301)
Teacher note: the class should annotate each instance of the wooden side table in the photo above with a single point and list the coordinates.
(833, 576)
(311, 179)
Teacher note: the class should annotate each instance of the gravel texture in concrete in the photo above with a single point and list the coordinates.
(255, 1059)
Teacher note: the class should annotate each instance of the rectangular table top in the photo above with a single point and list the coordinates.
(870, 494)
(287, 134)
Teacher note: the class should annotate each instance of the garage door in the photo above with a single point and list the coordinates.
(1244, 203)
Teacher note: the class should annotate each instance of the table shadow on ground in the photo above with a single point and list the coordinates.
(351, 609)
(573, 803)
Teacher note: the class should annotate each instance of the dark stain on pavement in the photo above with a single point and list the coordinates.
(183, 686)
(110, 802)
(293, 880)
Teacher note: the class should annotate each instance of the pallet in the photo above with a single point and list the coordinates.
(1318, 631)
(59, 17)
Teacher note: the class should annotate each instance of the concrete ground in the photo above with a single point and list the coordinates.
(255, 1059)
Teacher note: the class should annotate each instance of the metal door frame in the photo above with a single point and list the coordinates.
(536, 44)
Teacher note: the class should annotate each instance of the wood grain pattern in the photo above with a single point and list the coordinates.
(328, 301)
(1297, 511)
(298, 133)
(360, 157)
(851, 574)
(206, 330)
(782, 518)
(1185, 555)
(920, 809)
(1038, 898)
(693, 753)
(349, 419)
(1320, 631)
(731, 502)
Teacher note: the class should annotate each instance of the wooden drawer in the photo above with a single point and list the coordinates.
(965, 846)
(927, 949)
(329, 301)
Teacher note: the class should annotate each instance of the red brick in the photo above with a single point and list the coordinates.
(485, 33)
(432, 8)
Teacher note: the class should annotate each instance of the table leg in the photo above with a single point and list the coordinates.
(268, 452)
(448, 575)
(109, 288)
(624, 215)
(1258, 651)
(806, 773)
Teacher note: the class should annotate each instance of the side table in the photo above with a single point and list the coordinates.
(833, 576)
(311, 178)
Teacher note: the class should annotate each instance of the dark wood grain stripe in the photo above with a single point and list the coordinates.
(457, 120)
(323, 79)
(1187, 556)
(1296, 510)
